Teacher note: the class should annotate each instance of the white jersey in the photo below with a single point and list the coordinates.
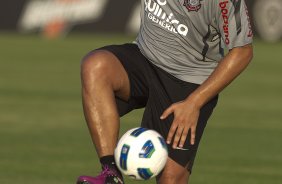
(186, 37)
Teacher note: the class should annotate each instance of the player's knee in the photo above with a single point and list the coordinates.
(171, 178)
(173, 174)
(95, 65)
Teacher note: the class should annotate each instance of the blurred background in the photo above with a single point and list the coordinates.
(43, 135)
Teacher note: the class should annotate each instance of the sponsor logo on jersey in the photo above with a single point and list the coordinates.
(225, 17)
(156, 14)
(250, 32)
(192, 5)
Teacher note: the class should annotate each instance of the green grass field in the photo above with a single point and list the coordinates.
(44, 139)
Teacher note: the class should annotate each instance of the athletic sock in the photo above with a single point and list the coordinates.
(109, 160)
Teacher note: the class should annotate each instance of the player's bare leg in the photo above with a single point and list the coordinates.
(173, 173)
(103, 77)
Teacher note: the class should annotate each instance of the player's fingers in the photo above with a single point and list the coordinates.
(177, 136)
(183, 137)
(167, 112)
(171, 132)
(193, 135)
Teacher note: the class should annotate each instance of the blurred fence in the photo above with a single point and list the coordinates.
(57, 17)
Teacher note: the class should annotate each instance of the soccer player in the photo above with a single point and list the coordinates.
(175, 69)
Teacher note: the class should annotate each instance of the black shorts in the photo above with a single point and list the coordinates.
(155, 89)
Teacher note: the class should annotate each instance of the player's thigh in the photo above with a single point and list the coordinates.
(173, 173)
(102, 66)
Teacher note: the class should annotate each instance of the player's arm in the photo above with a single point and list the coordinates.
(186, 113)
(228, 69)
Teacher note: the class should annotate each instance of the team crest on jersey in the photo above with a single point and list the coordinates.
(192, 5)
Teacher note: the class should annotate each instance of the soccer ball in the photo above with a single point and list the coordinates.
(141, 153)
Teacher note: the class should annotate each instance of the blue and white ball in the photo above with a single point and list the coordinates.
(141, 153)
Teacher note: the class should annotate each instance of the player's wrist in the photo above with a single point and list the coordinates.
(195, 99)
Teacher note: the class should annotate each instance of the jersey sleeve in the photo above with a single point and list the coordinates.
(234, 23)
